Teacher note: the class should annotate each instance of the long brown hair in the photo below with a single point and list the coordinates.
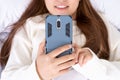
(88, 21)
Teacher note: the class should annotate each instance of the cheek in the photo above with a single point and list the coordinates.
(74, 6)
(73, 10)
(49, 8)
(48, 4)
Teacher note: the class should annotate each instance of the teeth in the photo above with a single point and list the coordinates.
(61, 6)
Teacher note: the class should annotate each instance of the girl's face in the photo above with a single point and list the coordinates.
(62, 7)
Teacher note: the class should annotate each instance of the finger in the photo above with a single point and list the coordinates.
(42, 47)
(80, 52)
(81, 59)
(63, 71)
(74, 47)
(66, 65)
(65, 58)
(77, 55)
(77, 50)
(87, 58)
(59, 50)
(87, 55)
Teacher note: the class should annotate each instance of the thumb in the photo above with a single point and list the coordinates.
(76, 50)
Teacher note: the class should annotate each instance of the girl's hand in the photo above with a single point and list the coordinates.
(49, 67)
(83, 55)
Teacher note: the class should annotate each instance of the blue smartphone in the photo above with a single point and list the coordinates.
(58, 32)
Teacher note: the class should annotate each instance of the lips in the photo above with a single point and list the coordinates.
(61, 7)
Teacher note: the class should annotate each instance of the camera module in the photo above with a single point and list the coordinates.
(58, 23)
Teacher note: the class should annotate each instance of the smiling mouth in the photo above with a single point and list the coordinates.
(61, 7)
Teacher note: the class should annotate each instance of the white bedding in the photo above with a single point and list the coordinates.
(10, 11)
(111, 9)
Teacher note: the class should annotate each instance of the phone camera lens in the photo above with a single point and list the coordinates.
(58, 24)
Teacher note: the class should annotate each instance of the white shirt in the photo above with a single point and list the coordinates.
(21, 63)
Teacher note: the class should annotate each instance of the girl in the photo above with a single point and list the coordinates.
(96, 53)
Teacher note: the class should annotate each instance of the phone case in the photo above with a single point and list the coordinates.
(58, 31)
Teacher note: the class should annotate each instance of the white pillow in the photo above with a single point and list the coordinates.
(10, 11)
(111, 9)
